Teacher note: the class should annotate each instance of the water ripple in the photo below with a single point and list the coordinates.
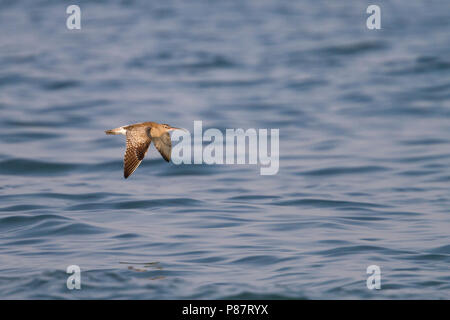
(364, 162)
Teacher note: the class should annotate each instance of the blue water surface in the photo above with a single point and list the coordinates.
(364, 120)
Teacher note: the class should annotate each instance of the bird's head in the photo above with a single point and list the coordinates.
(170, 128)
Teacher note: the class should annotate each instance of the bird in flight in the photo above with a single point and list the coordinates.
(139, 136)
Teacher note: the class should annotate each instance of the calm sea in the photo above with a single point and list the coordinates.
(364, 120)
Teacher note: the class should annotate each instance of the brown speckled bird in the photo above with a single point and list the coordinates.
(139, 137)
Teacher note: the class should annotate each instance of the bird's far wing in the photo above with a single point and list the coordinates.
(137, 146)
(164, 145)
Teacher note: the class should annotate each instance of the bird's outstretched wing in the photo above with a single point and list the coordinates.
(164, 145)
(138, 142)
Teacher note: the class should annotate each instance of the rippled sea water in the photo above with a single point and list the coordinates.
(364, 119)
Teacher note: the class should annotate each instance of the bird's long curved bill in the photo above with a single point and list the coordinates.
(175, 128)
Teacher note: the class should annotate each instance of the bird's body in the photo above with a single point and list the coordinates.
(139, 137)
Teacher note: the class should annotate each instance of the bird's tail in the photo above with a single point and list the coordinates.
(119, 130)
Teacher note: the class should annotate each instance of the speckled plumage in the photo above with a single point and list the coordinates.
(139, 137)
